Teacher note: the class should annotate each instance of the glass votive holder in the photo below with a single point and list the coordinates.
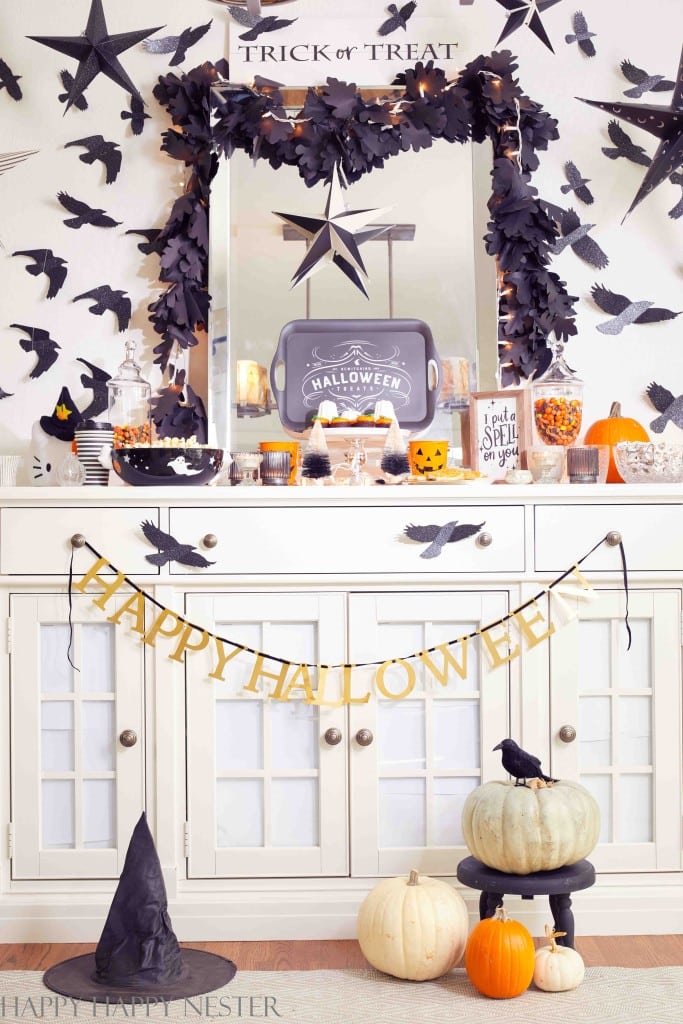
(588, 463)
(276, 468)
(248, 464)
(546, 463)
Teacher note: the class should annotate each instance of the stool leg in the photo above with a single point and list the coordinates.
(488, 901)
(561, 908)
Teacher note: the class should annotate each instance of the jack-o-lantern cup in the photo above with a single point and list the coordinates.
(427, 456)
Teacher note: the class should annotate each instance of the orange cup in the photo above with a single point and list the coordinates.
(285, 446)
(427, 456)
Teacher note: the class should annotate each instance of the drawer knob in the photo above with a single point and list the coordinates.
(210, 540)
(484, 540)
(78, 540)
(128, 738)
(613, 538)
(567, 734)
(364, 737)
(333, 737)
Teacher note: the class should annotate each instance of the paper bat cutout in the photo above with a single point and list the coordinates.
(625, 312)
(171, 550)
(136, 115)
(398, 19)
(624, 146)
(96, 52)
(577, 184)
(438, 536)
(40, 342)
(581, 35)
(99, 149)
(151, 234)
(97, 383)
(9, 81)
(178, 45)
(677, 179)
(664, 402)
(526, 12)
(5, 394)
(84, 214)
(642, 81)
(67, 81)
(575, 234)
(107, 298)
(45, 262)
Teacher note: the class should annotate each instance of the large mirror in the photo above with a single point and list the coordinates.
(430, 265)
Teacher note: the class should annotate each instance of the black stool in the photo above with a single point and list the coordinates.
(557, 885)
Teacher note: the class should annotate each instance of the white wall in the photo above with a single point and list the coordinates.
(644, 253)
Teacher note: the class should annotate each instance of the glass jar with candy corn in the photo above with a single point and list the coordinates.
(129, 403)
(558, 402)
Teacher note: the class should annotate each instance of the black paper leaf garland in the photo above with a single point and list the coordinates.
(177, 411)
(337, 126)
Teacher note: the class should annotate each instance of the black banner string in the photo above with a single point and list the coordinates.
(367, 664)
(71, 608)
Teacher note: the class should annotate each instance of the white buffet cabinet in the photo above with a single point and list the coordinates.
(266, 827)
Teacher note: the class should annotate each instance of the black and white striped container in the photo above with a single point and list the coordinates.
(91, 438)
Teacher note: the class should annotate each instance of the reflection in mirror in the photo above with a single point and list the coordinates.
(432, 266)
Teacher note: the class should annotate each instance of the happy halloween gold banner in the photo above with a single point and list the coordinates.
(279, 679)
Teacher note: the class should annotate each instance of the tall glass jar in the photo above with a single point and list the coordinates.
(129, 403)
(558, 401)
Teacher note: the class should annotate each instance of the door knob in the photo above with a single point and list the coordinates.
(128, 738)
(484, 540)
(333, 737)
(364, 737)
(210, 540)
(567, 734)
(78, 540)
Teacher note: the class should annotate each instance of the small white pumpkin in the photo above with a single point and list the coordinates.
(414, 928)
(557, 968)
(519, 830)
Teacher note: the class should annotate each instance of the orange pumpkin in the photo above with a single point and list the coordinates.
(615, 428)
(500, 957)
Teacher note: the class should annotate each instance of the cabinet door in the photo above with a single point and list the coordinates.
(625, 708)
(76, 791)
(431, 748)
(267, 794)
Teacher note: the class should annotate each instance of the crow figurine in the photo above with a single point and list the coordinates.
(519, 764)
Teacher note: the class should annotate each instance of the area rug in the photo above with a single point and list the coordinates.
(608, 995)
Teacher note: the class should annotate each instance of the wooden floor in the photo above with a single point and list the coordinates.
(597, 951)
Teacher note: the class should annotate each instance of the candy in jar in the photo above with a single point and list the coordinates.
(558, 402)
(129, 403)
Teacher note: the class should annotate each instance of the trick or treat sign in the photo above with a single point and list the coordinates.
(370, 50)
(356, 364)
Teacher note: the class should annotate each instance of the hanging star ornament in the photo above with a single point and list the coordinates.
(96, 51)
(665, 123)
(336, 236)
(526, 12)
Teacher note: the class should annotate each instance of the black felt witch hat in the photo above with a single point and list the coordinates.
(65, 418)
(138, 954)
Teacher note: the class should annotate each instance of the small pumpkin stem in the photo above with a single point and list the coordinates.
(551, 934)
(501, 913)
(414, 878)
(615, 410)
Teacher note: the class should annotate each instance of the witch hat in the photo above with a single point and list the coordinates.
(138, 954)
(65, 418)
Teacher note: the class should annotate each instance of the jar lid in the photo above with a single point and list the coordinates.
(558, 372)
(129, 371)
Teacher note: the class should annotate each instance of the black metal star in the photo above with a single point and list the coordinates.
(96, 51)
(526, 12)
(665, 123)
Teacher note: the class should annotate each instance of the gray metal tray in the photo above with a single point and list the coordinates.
(356, 363)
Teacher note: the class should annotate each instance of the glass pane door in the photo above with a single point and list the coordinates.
(77, 791)
(432, 748)
(267, 793)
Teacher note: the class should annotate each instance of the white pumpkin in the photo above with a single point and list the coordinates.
(414, 928)
(518, 829)
(557, 968)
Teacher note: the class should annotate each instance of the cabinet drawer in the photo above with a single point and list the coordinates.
(348, 540)
(37, 541)
(651, 533)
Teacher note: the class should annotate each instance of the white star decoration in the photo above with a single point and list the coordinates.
(336, 236)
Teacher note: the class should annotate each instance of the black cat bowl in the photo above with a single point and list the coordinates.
(159, 467)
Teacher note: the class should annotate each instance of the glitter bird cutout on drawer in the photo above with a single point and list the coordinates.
(171, 550)
(438, 536)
